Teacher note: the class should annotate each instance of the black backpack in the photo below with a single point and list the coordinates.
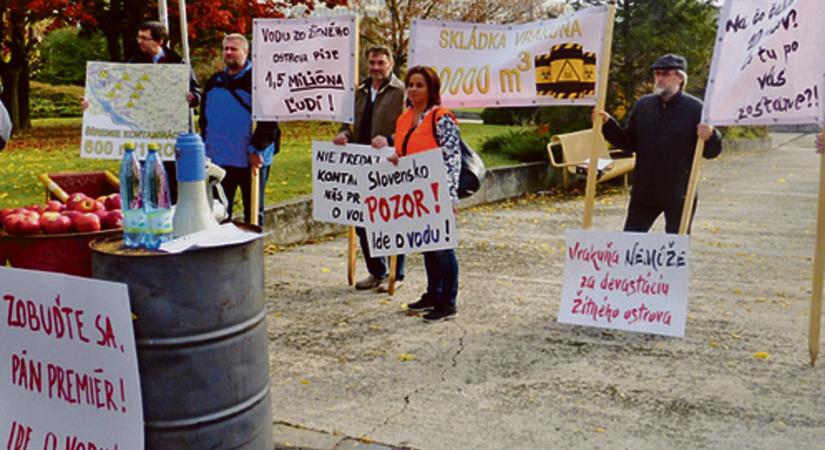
(472, 167)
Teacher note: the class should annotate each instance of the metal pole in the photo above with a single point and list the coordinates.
(163, 14)
(184, 42)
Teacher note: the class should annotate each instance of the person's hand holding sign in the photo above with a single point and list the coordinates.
(380, 142)
(820, 143)
(704, 131)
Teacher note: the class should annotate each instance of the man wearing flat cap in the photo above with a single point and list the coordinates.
(662, 130)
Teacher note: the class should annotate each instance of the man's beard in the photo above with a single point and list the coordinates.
(665, 91)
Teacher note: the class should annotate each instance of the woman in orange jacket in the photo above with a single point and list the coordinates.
(414, 133)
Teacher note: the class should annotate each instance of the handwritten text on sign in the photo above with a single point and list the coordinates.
(304, 69)
(767, 65)
(68, 366)
(407, 207)
(626, 281)
(140, 103)
(335, 194)
(551, 62)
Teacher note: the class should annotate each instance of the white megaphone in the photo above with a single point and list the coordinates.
(192, 213)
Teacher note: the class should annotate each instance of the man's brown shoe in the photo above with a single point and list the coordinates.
(370, 282)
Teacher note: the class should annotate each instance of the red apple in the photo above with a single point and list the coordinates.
(112, 202)
(54, 205)
(112, 220)
(86, 222)
(100, 213)
(85, 205)
(101, 199)
(5, 212)
(75, 200)
(36, 208)
(53, 222)
(70, 213)
(22, 223)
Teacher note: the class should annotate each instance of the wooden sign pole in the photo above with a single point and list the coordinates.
(598, 138)
(687, 209)
(254, 196)
(351, 251)
(391, 279)
(819, 268)
(351, 255)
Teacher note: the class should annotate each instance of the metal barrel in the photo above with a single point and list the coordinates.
(200, 328)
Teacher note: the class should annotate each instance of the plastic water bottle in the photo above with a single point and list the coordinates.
(156, 202)
(134, 219)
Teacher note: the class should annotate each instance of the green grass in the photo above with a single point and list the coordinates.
(53, 145)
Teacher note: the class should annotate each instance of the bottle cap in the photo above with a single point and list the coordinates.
(153, 146)
(129, 146)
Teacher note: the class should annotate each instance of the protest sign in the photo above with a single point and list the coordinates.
(68, 366)
(767, 64)
(626, 281)
(407, 208)
(304, 69)
(335, 194)
(551, 62)
(140, 103)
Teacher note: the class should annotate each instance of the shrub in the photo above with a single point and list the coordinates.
(743, 132)
(522, 145)
(55, 101)
(508, 116)
(63, 56)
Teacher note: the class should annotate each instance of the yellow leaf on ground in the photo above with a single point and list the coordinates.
(599, 430)
(761, 355)
(325, 269)
(305, 382)
(404, 357)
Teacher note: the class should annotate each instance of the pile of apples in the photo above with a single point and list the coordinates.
(80, 214)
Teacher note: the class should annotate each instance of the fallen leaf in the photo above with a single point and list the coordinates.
(599, 430)
(305, 382)
(404, 357)
(325, 269)
(761, 355)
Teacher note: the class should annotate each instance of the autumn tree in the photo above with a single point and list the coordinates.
(388, 23)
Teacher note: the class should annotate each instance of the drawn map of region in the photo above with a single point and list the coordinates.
(140, 103)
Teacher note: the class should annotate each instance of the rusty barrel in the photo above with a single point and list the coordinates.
(202, 345)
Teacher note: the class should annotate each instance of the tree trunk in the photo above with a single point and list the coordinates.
(23, 91)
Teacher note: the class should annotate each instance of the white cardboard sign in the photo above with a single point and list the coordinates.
(407, 208)
(626, 281)
(767, 64)
(335, 194)
(550, 62)
(68, 365)
(304, 69)
(140, 103)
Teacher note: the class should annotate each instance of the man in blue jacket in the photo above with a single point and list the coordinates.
(226, 126)
(662, 130)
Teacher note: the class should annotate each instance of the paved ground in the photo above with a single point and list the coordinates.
(349, 365)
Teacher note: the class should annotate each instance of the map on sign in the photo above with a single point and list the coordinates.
(140, 103)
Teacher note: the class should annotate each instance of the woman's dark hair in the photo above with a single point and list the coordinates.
(432, 81)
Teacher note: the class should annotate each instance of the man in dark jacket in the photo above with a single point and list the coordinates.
(378, 103)
(152, 39)
(226, 126)
(662, 130)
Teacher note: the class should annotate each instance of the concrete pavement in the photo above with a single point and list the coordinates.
(352, 370)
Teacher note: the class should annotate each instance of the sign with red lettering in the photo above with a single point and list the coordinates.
(68, 365)
(407, 208)
(335, 194)
(767, 64)
(626, 281)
